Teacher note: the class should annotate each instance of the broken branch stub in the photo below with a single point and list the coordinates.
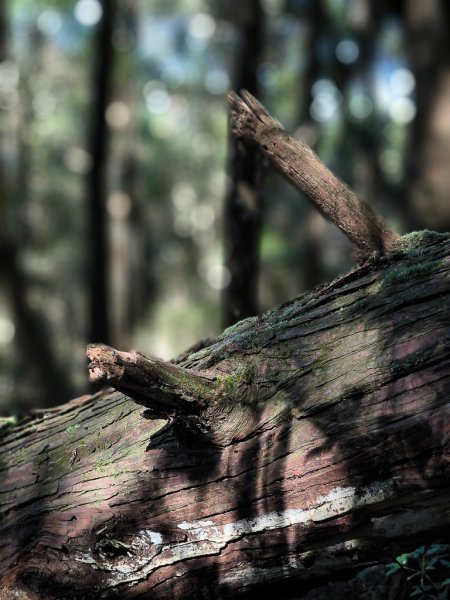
(301, 167)
(166, 389)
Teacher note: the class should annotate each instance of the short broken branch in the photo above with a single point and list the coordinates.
(165, 388)
(301, 167)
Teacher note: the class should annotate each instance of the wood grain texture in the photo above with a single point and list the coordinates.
(328, 444)
(301, 167)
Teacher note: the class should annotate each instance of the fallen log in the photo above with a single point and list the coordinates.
(310, 442)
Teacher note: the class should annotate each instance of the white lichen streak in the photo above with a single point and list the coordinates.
(153, 536)
(338, 501)
(206, 537)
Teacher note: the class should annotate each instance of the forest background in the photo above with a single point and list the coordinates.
(115, 163)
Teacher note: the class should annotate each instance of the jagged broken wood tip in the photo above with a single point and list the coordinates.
(166, 389)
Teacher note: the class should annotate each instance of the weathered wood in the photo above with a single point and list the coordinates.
(166, 389)
(301, 167)
(325, 448)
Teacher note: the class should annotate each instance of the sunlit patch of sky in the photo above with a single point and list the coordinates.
(88, 12)
(326, 100)
(200, 30)
(394, 84)
(160, 38)
(402, 82)
(50, 22)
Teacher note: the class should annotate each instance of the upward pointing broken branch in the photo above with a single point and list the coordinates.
(301, 167)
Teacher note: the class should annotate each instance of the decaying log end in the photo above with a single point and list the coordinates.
(301, 167)
(166, 389)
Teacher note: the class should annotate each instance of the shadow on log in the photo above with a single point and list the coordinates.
(308, 443)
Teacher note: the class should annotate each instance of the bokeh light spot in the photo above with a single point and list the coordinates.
(360, 106)
(7, 331)
(88, 12)
(49, 22)
(347, 52)
(327, 99)
(118, 205)
(202, 26)
(118, 115)
(218, 276)
(202, 217)
(217, 81)
(402, 110)
(77, 160)
(402, 82)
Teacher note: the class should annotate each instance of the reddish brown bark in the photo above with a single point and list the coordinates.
(322, 447)
(307, 442)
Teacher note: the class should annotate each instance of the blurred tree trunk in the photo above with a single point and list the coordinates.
(428, 176)
(127, 262)
(312, 229)
(32, 332)
(242, 211)
(99, 329)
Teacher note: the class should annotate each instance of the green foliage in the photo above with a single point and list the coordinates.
(425, 572)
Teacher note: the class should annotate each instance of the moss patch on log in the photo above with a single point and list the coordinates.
(411, 271)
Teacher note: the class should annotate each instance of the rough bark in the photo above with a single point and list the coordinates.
(306, 442)
(301, 167)
(320, 445)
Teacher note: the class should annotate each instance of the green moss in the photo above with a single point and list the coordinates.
(72, 428)
(239, 327)
(416, 240)
(244, 374)
(8, 421)
(411, 271)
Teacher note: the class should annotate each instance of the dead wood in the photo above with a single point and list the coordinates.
(323, 449)
(301, 167)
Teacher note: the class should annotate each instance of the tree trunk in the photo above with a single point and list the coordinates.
(99, 328)
(429, 148)
(309, 442)
(242, 207)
